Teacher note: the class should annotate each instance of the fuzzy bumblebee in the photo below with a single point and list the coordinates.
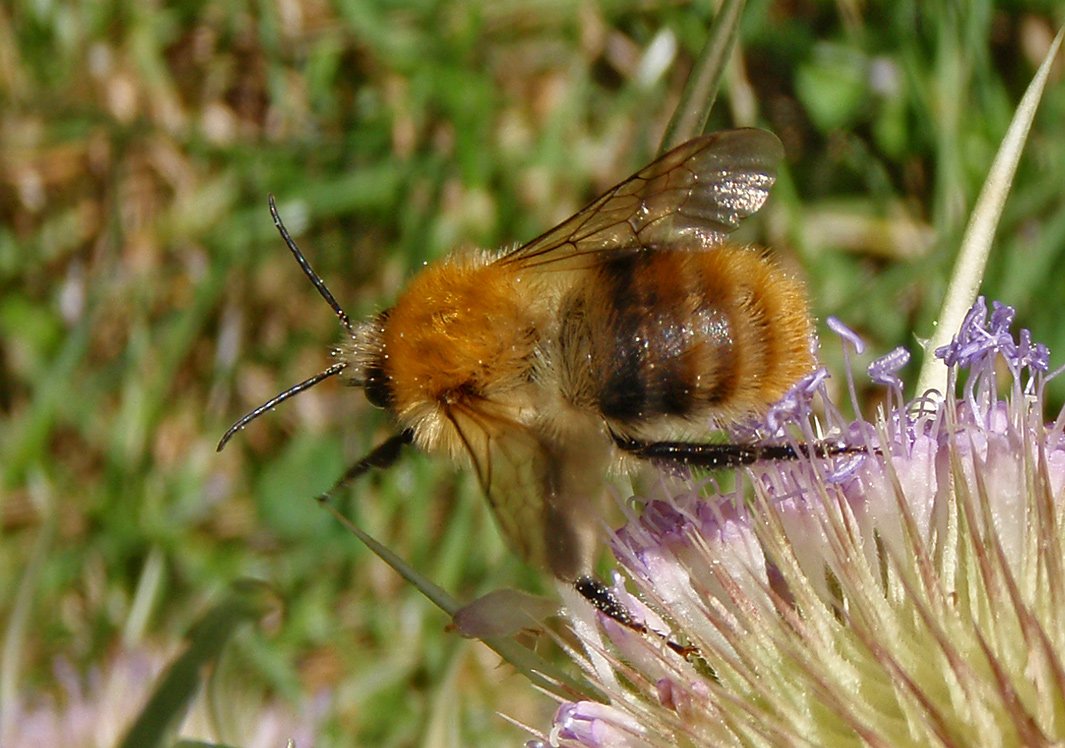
(621, 334)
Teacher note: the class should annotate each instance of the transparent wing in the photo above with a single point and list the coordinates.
(510, 463)
(539, 493)
(690, 198)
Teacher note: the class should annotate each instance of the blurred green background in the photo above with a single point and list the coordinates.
(147, 300)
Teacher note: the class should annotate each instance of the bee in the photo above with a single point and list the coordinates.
(623, 334)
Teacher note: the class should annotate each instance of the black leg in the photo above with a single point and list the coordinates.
(381, 456)
(716, 456)
(607, 603)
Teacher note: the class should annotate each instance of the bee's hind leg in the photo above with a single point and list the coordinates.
(603, 599)
(717, 456)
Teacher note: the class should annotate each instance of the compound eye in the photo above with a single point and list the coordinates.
(378, 387)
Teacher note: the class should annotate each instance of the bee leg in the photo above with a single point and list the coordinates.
(715, 456)
(380, 457)
(606, 602)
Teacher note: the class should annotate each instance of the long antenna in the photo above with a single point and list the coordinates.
(345, 320)
(272, 403)
(305, 266)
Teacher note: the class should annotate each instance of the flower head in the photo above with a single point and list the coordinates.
(909, 595)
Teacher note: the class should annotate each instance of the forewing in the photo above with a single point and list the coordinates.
(690, 198)
(544, 493)
(510, 463)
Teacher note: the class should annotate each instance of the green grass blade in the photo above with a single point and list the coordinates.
(248, 601)
(976, 243)
(697, 98)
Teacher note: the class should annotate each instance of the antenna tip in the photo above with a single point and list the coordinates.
(238, 426)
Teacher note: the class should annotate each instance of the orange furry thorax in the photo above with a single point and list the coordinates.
(463, 330)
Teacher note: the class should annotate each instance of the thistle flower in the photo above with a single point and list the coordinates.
(910, 595)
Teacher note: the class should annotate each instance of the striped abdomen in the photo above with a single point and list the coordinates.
(660, 334)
